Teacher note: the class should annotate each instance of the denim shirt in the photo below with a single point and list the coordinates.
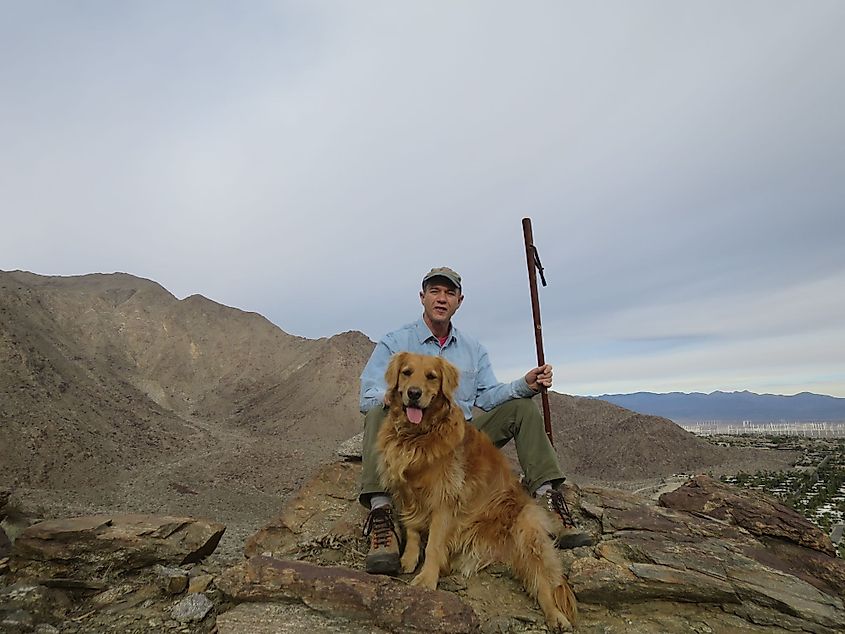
(478, 385)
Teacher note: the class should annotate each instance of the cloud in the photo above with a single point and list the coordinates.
(310, 161)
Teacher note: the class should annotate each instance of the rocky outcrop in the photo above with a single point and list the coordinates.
(102, 546)
(659, 553)
(709, 557)
(110, 573)
(759, 514)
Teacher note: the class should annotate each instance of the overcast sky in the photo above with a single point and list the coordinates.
(683, 164)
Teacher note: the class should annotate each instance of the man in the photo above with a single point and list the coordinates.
(508, 413)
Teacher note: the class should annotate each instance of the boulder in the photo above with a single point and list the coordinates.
(353, 448)
(192, 609)
(325, 509)
(171, 580)
(712, 553)
(104, 545)
(756, 512)
(200, 583)
(382, 601)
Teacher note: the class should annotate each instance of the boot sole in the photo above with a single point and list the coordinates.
(387, 564)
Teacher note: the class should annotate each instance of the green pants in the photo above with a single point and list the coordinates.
(518, 419)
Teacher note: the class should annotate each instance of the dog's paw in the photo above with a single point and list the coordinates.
(409, 562)
(425, 580)
(558, 622)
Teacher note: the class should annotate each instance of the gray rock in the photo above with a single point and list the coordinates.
(192, 608)
(351, 449)
(171, 580)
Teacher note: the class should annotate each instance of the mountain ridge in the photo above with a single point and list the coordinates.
(733, 406)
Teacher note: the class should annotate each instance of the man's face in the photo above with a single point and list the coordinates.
(440, 300)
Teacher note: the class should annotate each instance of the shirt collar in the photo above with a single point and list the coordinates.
(424, 334)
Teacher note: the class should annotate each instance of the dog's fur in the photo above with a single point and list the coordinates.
(449, 480)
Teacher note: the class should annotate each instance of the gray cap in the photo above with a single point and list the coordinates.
(444, 272)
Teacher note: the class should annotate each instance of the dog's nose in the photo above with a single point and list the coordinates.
(414, 393)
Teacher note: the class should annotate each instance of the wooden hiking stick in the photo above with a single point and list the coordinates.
(533, 260)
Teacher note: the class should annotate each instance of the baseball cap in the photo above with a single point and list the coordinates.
(445, 272)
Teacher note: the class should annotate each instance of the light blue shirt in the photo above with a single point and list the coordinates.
(478, 385)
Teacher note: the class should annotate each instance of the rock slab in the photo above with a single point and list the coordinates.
(101, 545)
(381, 601)
(759, 514)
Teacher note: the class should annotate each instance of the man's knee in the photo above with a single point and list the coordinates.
(521, 408)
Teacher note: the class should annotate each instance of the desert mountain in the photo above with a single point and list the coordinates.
(733, 406)
(114, 394)
(607, 443)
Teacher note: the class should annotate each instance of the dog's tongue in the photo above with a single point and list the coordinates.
(414, 414)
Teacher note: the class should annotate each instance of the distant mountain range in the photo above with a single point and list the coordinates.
(733, 406)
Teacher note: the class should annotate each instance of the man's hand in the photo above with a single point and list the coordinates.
(541, 376)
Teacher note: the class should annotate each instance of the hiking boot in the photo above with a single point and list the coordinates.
(568, 533)
(383, 558)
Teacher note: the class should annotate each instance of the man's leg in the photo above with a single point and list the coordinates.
(521, 420)
(383, 556)
(370, 483)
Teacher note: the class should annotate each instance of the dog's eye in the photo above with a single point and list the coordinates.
(407, 371)
(430, 376)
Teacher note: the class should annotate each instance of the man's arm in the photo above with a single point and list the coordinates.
(373, 386)
(489, 392)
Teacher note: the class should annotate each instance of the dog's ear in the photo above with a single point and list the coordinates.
(391, 376)
(449, 378)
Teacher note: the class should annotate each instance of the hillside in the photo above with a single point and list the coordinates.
(113, 393)
(116, 395)
(604, 442)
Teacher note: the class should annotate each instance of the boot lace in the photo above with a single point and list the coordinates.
(380, 525)
(557, 505)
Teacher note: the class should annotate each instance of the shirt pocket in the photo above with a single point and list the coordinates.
(467, 386)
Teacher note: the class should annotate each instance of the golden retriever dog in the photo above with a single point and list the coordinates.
(449, 481)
